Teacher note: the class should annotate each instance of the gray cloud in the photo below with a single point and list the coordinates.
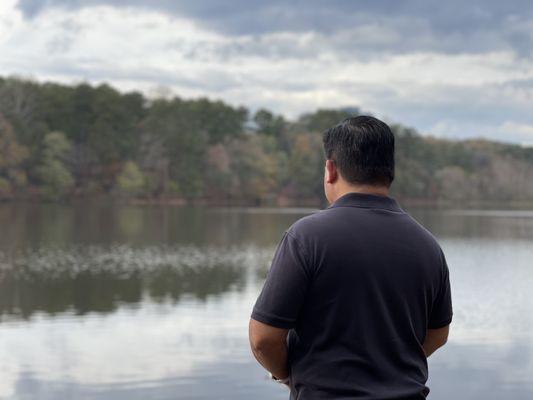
(453, 26)
(62, 41)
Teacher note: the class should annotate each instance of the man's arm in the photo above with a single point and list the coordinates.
(435, 338)
(269, 346)
(441, 312)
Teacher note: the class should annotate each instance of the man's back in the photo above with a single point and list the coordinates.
(359, 284)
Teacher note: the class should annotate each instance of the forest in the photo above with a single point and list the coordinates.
(63, 142)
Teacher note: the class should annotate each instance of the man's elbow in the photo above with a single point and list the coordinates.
(441, 339)
(260, 345)
(439, 344)
(435, 339)
(264, 338)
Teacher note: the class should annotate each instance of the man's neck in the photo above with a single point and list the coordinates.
(376, 190)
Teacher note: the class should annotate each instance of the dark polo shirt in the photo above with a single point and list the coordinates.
(358, 284)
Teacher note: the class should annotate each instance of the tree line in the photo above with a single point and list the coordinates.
(59, 142)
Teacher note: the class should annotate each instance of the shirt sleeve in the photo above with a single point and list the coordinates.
(286, 284)
(441, 311)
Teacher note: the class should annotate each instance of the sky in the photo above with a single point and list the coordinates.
(451, 69)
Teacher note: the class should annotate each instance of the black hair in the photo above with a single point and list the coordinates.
(362, 148)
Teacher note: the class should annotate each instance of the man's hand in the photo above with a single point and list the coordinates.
(286, 381)
(269, 346)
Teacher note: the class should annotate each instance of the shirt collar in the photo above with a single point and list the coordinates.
(367, 200)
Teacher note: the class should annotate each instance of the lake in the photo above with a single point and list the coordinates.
(101, 301)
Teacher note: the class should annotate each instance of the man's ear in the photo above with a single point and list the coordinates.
(331, 172)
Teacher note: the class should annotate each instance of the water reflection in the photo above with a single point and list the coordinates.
(496, 224)
(86, 279)
(35, 225)
(102, 301)
(489, 371)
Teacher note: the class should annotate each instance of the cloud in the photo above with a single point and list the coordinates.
(520, 132)
(381, 26)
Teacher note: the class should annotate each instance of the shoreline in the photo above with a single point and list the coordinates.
(273, 203)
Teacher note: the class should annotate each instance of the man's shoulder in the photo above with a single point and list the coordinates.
(310, 223)
(322, 223)
(424, 231)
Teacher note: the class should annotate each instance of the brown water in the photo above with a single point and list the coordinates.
(112, 302)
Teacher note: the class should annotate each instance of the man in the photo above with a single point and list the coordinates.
(358, 294)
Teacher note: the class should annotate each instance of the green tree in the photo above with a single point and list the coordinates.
(257, 168)
(19, 103)
(12, 156)
(131, 180)
(56, 179)
(323, 119)
(269, 124)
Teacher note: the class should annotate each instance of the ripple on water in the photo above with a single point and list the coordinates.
(98, 279)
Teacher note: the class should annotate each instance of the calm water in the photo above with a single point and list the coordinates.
(104, 302)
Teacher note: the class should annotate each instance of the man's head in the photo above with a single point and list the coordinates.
(359, 154)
